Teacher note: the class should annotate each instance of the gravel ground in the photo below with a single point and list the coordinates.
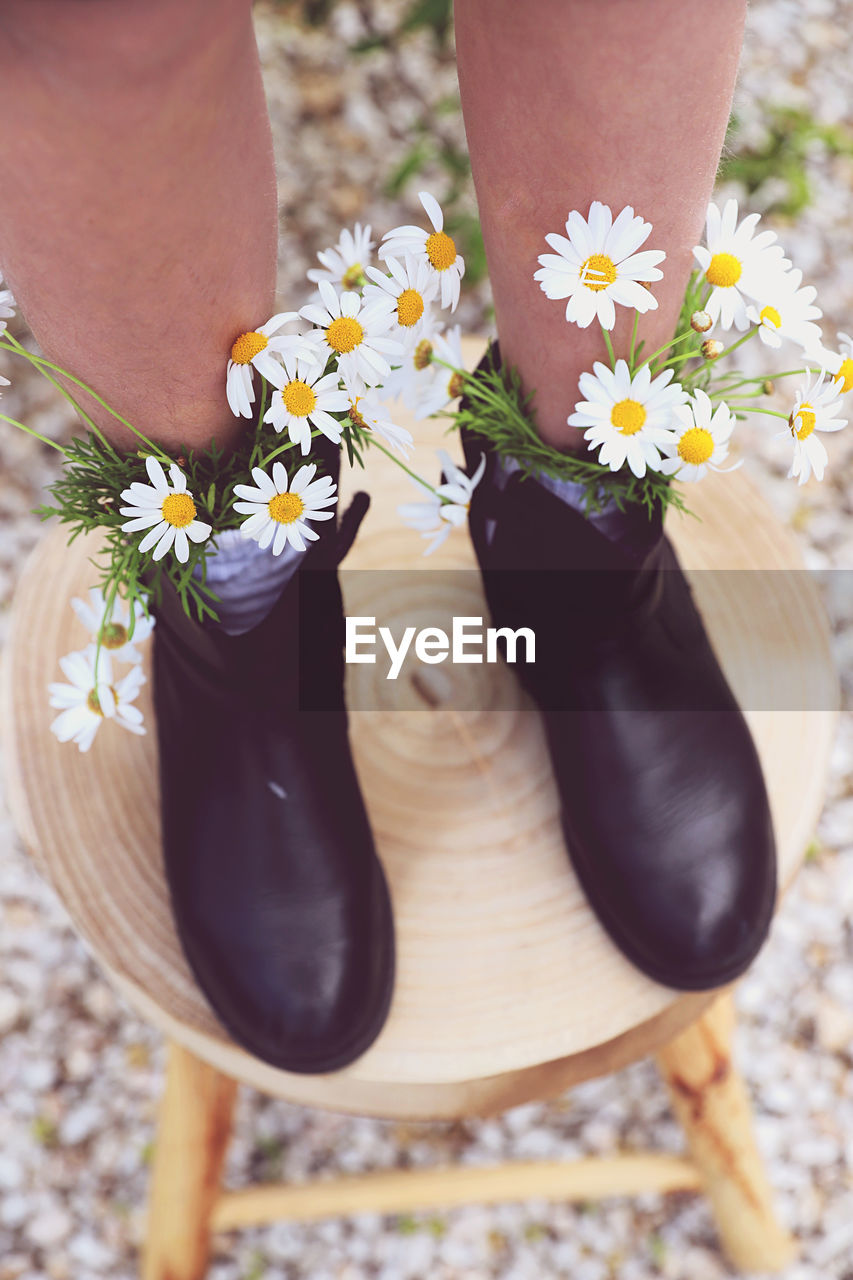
(80, 1074)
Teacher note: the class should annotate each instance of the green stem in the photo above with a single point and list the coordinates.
(746, 337)
(262, 408)
(609, 343)
(41, 363)
(771, 413)
(14, 421)
(673, 342)
(282, 448)
(21, 350)
(390, 454)
(633, 340)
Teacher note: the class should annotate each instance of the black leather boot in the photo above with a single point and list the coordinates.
(279, 898)
(664, 807)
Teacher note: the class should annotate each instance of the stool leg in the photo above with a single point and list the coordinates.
(192, 1135)
(710, 1100)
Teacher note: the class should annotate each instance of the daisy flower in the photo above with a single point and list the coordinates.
(303, 399)
(114, 631)
(815, 408)
(7, 311)
(366, 412)
(357, 332)
(700, 440)
(839, 363)
(258, 350)
(410, 287)
(85, 704)
(169, 514)
(409, 373)
(737, 264)
(277, 514)
(345, 264)
(598, 265)
(627, 418)
(447, 506)
(422, 384)
(435, 248)
(787, 311)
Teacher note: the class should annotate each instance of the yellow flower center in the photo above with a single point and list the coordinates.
(845, 374)
(423, 354)
(628, 416)
(113, 635)
(247, 347)
(598, 272)
(298, 398)
(178, 509)
(770, 315)
(441, 250)
(805, 415)
(93, 702)
(410, 307)
(353, 277)
(344, 334)
(696, 446)
(724, 270)
(455, 386)
(284, 508)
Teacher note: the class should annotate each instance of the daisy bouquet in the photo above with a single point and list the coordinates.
(377, 331)
(661, 419)
(329, 369)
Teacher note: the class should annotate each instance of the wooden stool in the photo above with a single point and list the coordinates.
(507, 988)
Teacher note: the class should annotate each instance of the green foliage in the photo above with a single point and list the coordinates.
(791, 134)
(87, 496)
(495, 407)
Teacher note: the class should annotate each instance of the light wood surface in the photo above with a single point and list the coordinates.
(708, 1095)
(709, 1098)
(192, 1136)
(507, 987)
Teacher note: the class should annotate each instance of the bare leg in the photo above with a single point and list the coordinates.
(138, 222)
(572, 101)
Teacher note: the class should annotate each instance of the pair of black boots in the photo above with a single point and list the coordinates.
(279, 897)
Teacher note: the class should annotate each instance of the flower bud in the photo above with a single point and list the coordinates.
(711, 348)
(700, 321)
(768, 386)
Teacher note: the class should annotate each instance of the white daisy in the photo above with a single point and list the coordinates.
(85, 704)
(627, 417)
(410, 287)
(303, 399)
(357, 332)
(7, 311)
(839, 363)
(435, 248)
(737, 264)
(446, 507)
(408, 375)
(700, 440)
(258, 349)
(347, 262)
(815, 408)
(599, 265)
(277, 514)
(366, 412)
(787, 311)
(113, 631)
(168, 513)
(422, 384)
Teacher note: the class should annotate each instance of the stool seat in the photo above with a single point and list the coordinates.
(507, 987)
